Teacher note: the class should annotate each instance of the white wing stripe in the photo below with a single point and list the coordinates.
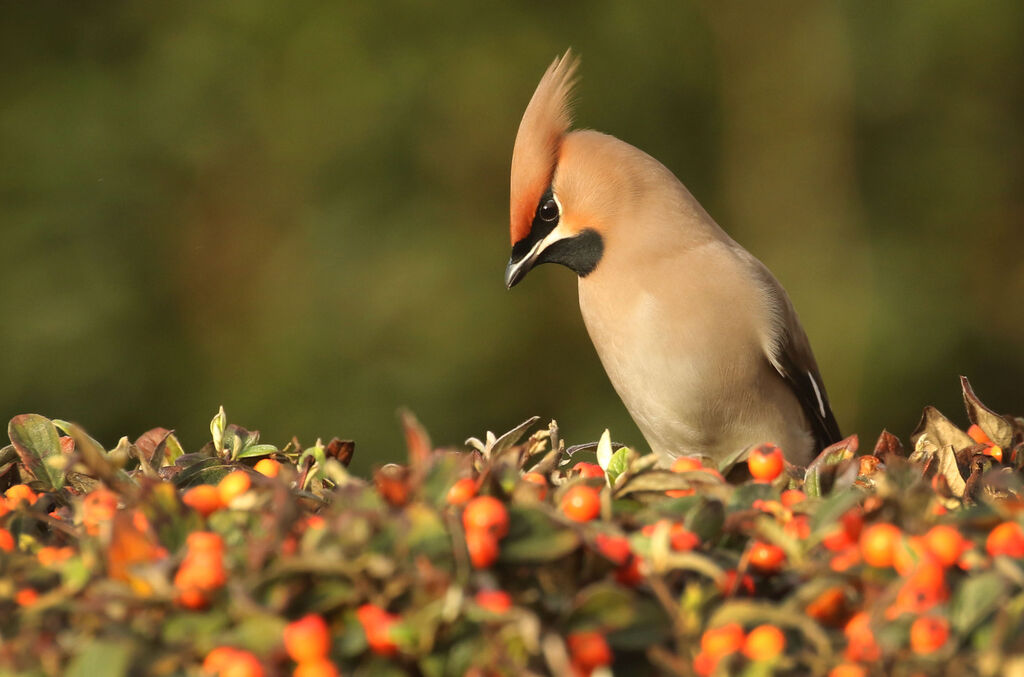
(817, 393)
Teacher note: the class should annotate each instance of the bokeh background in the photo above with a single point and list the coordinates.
(299, 210)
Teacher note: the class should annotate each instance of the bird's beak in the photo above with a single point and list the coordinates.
(517, 270)
(519, 266)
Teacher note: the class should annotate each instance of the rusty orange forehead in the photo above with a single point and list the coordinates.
(545, 122)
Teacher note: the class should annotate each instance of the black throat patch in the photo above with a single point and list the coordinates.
(580, 253)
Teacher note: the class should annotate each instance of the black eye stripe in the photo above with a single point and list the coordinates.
(540, 227)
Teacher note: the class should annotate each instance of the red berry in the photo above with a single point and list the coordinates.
(486, 513)
(483, 548)
(581, 503)
(589, 650)
(765, 462)
(307, 638)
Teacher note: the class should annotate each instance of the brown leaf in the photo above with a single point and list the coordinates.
(888, 444)
(942, 462)
(150, 440)
(939, 430)
(998, 428)
(342, 450)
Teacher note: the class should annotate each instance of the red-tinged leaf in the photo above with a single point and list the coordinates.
(998, 428)
(38, 445)
(417, 442)
(820, 474)
(888, 444)
(392, 482)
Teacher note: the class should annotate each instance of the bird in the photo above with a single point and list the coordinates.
(698, 338)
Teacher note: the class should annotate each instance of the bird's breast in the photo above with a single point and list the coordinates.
(680, 345)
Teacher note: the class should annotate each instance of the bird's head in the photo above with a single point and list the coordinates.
(553, 198)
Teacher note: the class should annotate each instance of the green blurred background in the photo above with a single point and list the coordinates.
(299, 210)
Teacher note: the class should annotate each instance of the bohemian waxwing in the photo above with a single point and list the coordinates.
(698, 338)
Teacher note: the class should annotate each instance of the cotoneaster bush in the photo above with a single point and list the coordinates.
(510, 558)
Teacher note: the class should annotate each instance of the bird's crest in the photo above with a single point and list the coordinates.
(544, 124)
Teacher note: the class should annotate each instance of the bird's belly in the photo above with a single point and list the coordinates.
(694, 387)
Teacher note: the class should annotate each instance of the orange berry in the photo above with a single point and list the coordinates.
(233, 485)
(98, 507)
(486, 513)
(765, 462)
(483, 548)
(846, 533)
(828, 607)
(539, 481)
(205, 541)
(687, 463)
(315, 522)
(799, 527)
(764, 643)
(766, 557)
(20, 492)
(909, 554)
(26, 597)
(588, 470)
(218, 658)
(241, 664)
(581, 503)
(203, 498)
(318, 667)
(460, 492)
(49, 554)
(682, 539)
(848, 670)
(723, 640)
(1006, 539)
(377, 624)
(307, 639)
(791, 497)
(6, 540)
(495, 601)
(861, 644)
(267, 467)
(845, 560)
(589, 650)
(192, 598)
(994, 451)
(945, 544)
(878, 544)
(928, 634)
(615, 548)
(704, 664)
(978, 435)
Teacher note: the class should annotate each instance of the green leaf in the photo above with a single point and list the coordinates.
(618, 464)
(706, 520)
(38, 445)
(602, 606)
(534, 537)
(973, 601)
(101, 657)
(254, 450)
(217, 426)
(604, 451)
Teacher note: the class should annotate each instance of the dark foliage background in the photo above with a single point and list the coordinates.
(299, 210)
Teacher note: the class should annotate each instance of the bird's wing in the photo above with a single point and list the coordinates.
(790, 353)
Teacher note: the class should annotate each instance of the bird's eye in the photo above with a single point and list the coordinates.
(548, 210)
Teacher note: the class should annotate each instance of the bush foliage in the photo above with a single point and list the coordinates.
(510, 557)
